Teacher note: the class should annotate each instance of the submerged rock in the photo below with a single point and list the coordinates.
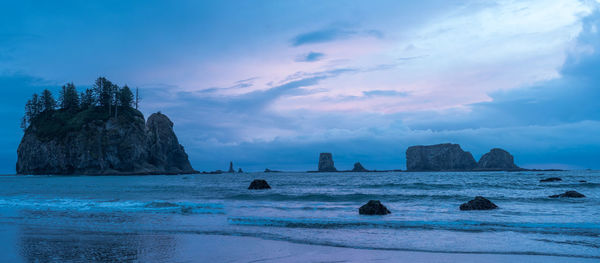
(326, 163)
(439, 157)
(570, 194)
(95, 143)
(479, 203)
(373, 207)
(259, 184)
(240, 170)
(359, 168)
(551, 179)
(582, 181)
(497, 159)
(160, 205)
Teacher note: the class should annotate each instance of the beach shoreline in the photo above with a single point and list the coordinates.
(224, 248)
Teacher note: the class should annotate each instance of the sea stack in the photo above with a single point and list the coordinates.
(359, 168)
(231, 168)
(94, 142)
(497, 159)
(439, 157)
(326, 163)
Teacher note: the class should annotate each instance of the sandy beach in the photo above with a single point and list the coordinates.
(218, 248)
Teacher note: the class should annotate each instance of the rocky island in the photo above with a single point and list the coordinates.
(451, 157)
(97, 132)
(326, 163)
(439, 157)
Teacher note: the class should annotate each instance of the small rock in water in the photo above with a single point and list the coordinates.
(373, 207)
(551, 179)
(259, 184)
(479, 203)
(582, 181)
(240, 170)
(571, 194)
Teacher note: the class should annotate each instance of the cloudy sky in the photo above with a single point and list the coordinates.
(273, 83)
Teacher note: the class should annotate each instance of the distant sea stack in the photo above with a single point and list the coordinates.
(231, 168)
(326, 163)
(497, 159)
(359, 168)
(439, 157)
(93, 142)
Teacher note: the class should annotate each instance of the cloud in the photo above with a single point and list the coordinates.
(387, 93)
(310, 57)
(331, 34)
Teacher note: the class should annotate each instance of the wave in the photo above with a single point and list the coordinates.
(441, 186)
(580, 229)
(362, 197)
(156, 206)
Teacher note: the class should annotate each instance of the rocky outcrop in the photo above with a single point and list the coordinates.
(259, 184)
(439, 157)
(165, 153)
(373, 207)
(124, 145)
(231, 168)
(359, 168)
(326, 163)
(497, 159)
(569, 194)
(479, 203)
(551, 179)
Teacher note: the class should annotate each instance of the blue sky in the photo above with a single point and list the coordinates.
(273, 83)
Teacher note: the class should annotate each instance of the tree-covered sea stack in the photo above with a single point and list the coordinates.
(96, 131)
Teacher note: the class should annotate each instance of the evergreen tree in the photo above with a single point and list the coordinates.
(126, 97)
(87, 99)
(103, 92)
(69, 100)
(33, 108)
(48, 102)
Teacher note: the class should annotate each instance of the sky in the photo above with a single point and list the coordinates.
(271, 84)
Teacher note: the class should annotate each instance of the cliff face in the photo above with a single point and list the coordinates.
(497, 159)
(113, 146)
(439, 157)
(326, 163)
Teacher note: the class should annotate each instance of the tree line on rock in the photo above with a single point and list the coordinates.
(103, 95)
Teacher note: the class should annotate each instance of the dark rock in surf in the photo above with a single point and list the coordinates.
(551, 179)
(240, 170)
(497, 159)
(568, 194)
(479, 203)
(582, 181)
(439, 157)
(373, 207)
(259, 184)
(326, 163)
(359, 168)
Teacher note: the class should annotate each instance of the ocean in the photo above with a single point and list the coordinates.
(122, 218)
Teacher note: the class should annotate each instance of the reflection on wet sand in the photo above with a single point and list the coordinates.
(38, 241)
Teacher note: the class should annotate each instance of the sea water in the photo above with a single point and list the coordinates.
(53, 218)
